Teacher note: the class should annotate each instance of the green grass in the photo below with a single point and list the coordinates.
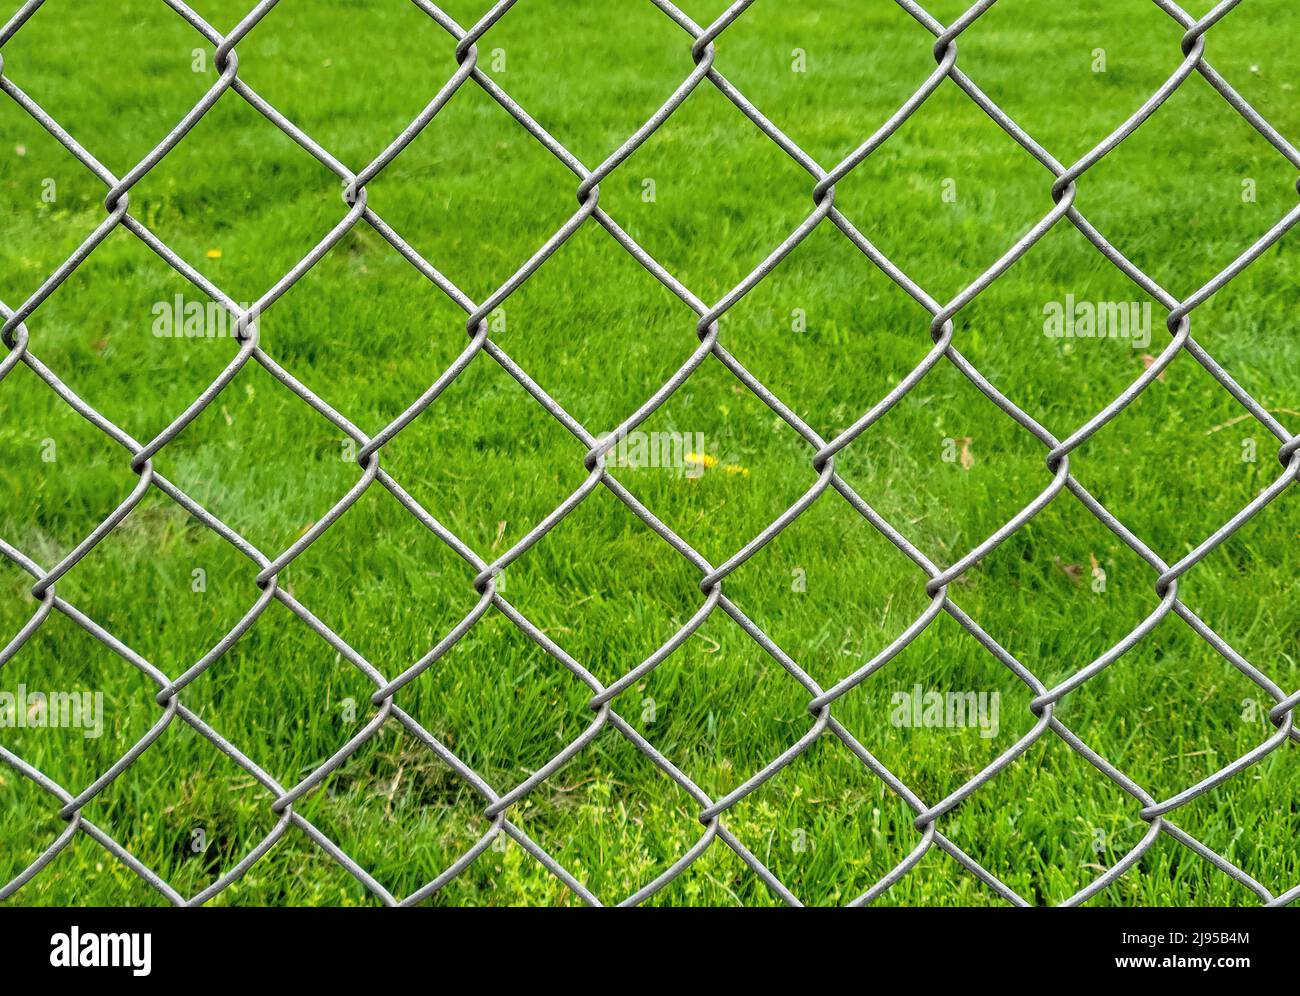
(476, 195)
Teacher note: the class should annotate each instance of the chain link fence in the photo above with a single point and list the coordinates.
(1160, 814)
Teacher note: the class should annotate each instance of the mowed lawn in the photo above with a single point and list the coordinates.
(826, 332)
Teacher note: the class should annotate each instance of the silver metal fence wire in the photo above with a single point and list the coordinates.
(1159, 814)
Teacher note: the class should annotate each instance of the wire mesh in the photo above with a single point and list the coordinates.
(1158, 813)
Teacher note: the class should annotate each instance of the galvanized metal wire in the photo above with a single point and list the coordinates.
(1158, 813)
